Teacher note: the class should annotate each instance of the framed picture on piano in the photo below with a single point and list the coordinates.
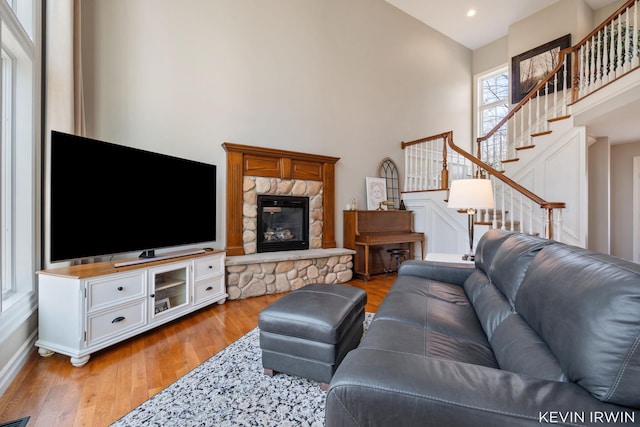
(376, 193)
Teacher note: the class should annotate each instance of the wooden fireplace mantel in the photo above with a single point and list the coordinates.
(245, 160)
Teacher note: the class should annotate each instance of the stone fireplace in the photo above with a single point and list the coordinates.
(254, 173)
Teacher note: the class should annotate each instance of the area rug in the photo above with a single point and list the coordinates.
(230, 389)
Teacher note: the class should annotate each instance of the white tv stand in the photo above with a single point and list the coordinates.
(88, 307)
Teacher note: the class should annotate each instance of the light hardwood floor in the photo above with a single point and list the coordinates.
(117, 379)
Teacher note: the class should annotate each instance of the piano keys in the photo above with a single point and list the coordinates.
(372, 233)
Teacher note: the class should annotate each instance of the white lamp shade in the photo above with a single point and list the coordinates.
(471, 194)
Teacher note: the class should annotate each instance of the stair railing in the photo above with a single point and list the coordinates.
(608, 53)
(429, 166)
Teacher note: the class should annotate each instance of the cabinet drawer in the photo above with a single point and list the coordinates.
(209, 266)
(107, 291)
(116, 321)
(208, 289)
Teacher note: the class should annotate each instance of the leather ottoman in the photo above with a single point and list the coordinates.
(308, 332)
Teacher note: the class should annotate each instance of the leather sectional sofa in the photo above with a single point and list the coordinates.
(537, 332)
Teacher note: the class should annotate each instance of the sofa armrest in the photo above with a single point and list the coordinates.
(381, 388)
(443, 272)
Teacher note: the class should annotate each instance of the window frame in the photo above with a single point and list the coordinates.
(20, 160)
(479, 108)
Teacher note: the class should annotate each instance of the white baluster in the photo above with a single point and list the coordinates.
(531, 213)
(417, 167)
(423, 176)
(605, 56)
(529, 122)
(619, 48)
(494, 222)
(598, 71)
(612, 50)
(592, 63)
(511, 209)
(521, 212)
(636, 56)
(558, 234)
(504, 195)
(410, 170)
(428, 154)
(565, 84)
(539, 124)
(555, 93)
(583, 69)
(546, 104)
(626, 45)
(406, 166)
(512, 120)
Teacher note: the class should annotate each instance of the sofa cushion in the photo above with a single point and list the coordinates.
(512, 260)
(585, 307)
(490, 305)
(519, 349)
(425, 287)
(487, 247)
(400, 337)
(426, 312)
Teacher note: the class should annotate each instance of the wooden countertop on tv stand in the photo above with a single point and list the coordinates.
(84, 271)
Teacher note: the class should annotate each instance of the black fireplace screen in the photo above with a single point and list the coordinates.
(283, 223)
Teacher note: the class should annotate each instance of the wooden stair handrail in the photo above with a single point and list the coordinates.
(500, 176)
(529, 96)
(426, 139)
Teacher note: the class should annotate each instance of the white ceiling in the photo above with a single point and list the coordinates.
(491, 21)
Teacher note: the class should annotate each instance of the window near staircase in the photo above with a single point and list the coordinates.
(493, 106)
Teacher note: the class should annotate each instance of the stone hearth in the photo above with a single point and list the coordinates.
(274, 272)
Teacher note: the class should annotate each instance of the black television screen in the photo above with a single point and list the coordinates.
(108, 199)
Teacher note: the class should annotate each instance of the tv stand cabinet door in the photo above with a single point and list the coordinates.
(209, 285)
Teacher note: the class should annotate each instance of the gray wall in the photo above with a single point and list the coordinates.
(350, 79)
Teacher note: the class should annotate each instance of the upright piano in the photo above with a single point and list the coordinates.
(372, 233)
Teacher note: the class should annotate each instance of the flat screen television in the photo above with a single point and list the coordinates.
(109, 199)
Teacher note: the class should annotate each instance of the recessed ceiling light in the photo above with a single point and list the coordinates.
(471, 12)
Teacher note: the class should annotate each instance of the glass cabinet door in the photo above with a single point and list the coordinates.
(169, 289)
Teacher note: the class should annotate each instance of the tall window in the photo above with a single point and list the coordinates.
(493, 106)
(19, 135)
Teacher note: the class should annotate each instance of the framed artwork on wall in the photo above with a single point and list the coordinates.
(530, 67)
(376, 193)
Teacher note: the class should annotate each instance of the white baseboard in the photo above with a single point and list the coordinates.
(17, 362)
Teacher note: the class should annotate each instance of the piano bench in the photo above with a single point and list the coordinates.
(396, 254)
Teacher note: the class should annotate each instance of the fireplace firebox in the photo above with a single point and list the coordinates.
(283, 223)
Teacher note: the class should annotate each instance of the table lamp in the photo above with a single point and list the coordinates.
(471, 195)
